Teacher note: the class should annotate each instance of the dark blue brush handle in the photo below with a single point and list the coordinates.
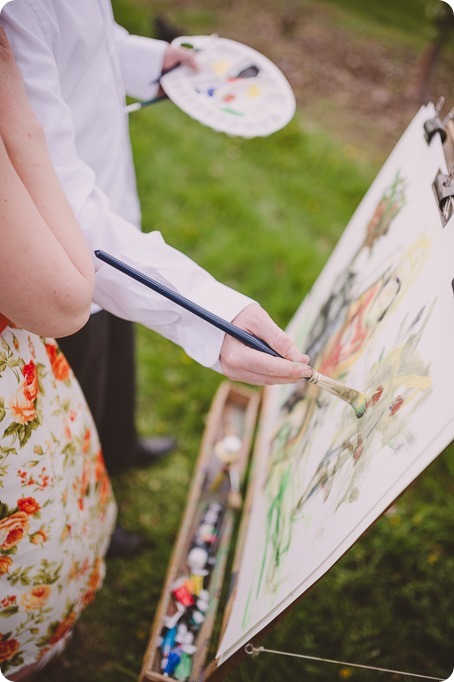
(227, 327)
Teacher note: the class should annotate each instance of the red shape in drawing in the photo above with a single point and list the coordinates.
(396, 405)
(375, 397)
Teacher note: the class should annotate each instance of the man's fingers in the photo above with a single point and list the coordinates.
(187, 57)
(241, 363)
(175, 56)
(283, 344)
(258, 322)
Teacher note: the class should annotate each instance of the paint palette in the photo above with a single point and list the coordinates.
(236, 90)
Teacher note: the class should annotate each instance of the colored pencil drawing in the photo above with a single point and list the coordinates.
(306, 408)
(397, 384)
(377, 320)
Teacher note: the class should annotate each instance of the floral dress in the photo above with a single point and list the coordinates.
(56, 505)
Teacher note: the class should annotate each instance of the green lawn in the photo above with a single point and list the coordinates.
(263, 216)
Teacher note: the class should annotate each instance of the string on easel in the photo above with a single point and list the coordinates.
(253, 651)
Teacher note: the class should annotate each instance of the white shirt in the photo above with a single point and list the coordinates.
(78, 65)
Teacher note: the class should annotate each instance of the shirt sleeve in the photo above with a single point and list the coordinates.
(104, 229)
(141, 62)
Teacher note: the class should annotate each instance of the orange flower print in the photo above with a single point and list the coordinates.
(86, 441)
(8, 648)
(42, 481)
(5, 563)
(36, 598)
(95, 579)
(94, 582)
(8, 601)
(51, 350)
(59, 364)
(63, 628)
(40, 537)
(87, 598)
(67, 432)
(41, 601)
(100, 469)
(42, 652)
(22, 410)
(74, 571)
(31, 381)
(29, 505)
(66, 532)
(105, 490)
(12, 529)
(82, 485)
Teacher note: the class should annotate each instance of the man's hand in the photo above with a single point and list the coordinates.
(241, 363)
(178, 55)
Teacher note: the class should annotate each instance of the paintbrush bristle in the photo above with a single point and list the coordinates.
(354, 398)
(359, 404)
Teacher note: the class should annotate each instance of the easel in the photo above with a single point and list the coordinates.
(234, 411)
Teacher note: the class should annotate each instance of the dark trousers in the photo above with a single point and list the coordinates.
(101, 355)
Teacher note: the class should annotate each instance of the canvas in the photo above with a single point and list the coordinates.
(380, 318)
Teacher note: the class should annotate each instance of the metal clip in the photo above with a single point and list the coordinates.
(443, 187)
(435, 125)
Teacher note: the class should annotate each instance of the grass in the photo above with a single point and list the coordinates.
(263, 216)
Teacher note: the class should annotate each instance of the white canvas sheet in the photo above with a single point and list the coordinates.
(380, 318)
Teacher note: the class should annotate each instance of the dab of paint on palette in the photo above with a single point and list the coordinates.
(229, 110)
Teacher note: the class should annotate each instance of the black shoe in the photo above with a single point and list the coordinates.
(149, 450)
(124, 543)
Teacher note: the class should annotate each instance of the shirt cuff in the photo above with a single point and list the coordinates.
(224, 302)
(141, 62)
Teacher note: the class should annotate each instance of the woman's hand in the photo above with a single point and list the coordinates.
(241, 363)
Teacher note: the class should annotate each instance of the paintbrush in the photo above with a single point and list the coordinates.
(354, 398)
(135, 106)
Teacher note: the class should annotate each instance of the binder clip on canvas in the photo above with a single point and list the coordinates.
(444, 192)
(443, 185)
(436, 125)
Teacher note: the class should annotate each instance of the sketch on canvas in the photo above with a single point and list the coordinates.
(379, 318)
